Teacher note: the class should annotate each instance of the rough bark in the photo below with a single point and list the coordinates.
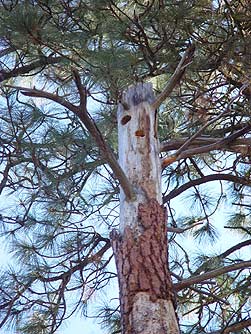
(140, 246)
(146, 291)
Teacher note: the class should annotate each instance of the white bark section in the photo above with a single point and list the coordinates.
(138, 151)
(153, 317)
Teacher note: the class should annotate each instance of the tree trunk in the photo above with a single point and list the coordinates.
(140, 247)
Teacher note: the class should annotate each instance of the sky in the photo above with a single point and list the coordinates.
(78, 325)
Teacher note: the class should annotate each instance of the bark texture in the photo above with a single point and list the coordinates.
(140, 246)
(146, 291)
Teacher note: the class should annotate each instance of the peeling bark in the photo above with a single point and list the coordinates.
(140, 246)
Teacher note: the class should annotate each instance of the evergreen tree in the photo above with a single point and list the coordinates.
(65, 70)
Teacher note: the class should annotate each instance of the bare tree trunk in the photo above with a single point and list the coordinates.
(140, 247)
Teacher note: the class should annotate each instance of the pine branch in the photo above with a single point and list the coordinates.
(210, 295)
(86, 118)
(234, 248)
(243, 324)
(218, 145)
(175, 144)
(43, 61)
(89, 123)
(208, 178)
(246, 230)
(12, 301)
(81, 89)
(6, 51)
(81, 264)
(33, 92)
(224, 254)
(186, 283)
(222, 144)
(181, 153)
(179, 230)
(218, 133)
(176, 77)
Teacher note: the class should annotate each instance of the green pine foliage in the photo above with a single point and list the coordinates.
(59, 196)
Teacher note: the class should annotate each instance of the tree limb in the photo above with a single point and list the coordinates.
(182, 151)
(237, 326)
(89, 123)
(234, 248)
(6, 51)
(223, 143)
(204, 179)
(186, 283)
(176, 77)
(223, 255)
(182, 230)
(43, 61)
(79, 266)
(175, 144)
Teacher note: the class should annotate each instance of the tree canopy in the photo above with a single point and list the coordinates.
(63, 67)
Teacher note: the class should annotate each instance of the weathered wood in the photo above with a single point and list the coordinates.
(138, 150)
(140, 246)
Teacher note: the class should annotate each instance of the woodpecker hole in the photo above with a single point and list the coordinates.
(140, 133)
(125, 119)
